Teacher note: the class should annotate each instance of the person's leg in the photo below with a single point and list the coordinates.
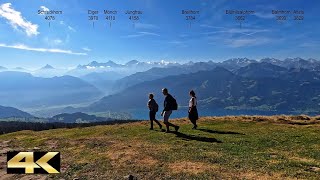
(160, 126)
(194, 122)
(196, 117)
(170, 124)
(151, 116)
(192, 117)
(154, 119)
(166, 116)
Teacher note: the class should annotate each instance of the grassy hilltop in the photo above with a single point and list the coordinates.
(242, 147)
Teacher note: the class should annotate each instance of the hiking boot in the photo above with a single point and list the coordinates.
(151, 129)
(176, 128)
(195, 127)
(160, 126)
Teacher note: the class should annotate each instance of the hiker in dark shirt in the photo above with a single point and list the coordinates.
(169, 103)
(153, 109)
(193, 112)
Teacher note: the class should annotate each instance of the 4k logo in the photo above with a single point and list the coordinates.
(33, 162)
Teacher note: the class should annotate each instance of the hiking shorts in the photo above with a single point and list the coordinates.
(166, 116)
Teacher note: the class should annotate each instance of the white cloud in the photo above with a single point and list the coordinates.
(242, 42)
(310, 44)
(27, 48)
(244, 31)
(17, 21)
(86, 49)
(57, 41)
(210, 26)
(175, 42)
(71, 29)
(43, 8)
(264, 15)
(178, 43)
(145, 26)
(53, 41)
(149, 33)
(141, 34)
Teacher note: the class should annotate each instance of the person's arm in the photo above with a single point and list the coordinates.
(149, 104)
(192, 104)
(166, 104)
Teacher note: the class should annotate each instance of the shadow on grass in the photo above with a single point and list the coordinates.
(219, 132)
(196, 138)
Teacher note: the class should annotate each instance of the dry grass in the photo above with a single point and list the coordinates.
(250, 175)
(251, 147)
(191, 167)
(280, 119)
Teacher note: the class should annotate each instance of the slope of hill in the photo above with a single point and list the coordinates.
(236, 63)
(8, 112)
(48, 71)
(2, 68)
(152, 74)
(104, 81)
(178, 85)
(261, 70)
(76, 118)
(220, 88)
(244, 66)
(293, 62)
(20, 89)
(47, 66)
(158, 73)
(249, 147)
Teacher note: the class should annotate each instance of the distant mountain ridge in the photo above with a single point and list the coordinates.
(2, 68)
(9, 112)
(269, 75)
(47, 67)
(21, 89)
(278, 89)
(232, 65)
(293, 62)
(134, 66)
(262, 69)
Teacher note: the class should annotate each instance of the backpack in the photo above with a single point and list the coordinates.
(156, 106)
(174, 104)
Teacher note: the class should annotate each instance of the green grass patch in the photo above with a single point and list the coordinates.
(220, 149)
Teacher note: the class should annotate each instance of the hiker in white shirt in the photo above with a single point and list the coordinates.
(193, 112)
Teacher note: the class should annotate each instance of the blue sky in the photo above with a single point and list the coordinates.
(162, 33)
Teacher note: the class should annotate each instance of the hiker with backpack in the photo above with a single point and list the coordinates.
(153, 109)
(193, 112)
(169, 104)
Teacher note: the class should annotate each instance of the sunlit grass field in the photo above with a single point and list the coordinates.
(234, 147)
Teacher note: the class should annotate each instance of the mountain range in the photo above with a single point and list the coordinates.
(289, 85)
(232, 65)
(128, 68)
(257, 86)
(9, 112)
(21, 89)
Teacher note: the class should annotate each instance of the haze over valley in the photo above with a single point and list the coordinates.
(268, 85)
